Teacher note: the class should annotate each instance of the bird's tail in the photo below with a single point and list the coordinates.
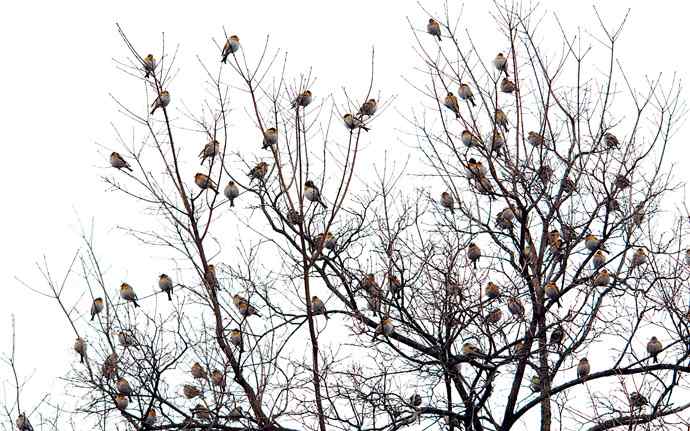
(169, 292)
(366, 129)
(472, 101)
(224, 60)
(232, 202)
(438, 36)
(136, 304)
(154, 109)
(93, 316)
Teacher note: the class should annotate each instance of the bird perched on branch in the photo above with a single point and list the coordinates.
(232, 45)
(385, 327)
(23, 423)
(210, 151)
(535, 383)
(515, 307)
(125, 339)
(470, 350)
(592, 243)
(637, 400)
(501, 63)
(162, 101)
(231, 192)
(198, 372)
(303, 99)
(451, 102)
(603, 278)
(80, 347)
(211, 277)
(352, 122)
(149, 65)
(492, 290)
(551, 291)
(557, 336)
(165, 284)
(236, 339)
(638, 258)
(96, 307)
(473, 254)
(611, 141)
(368, 108)
(258, 172)
(312, 193)
(318, 307)
(687, 256)
(190, 391)
(123, 387)
(247, 310)
(535, 139)
(654, 347)
(497, 141)
(583, 369)
(116, 161)
(447, 201)
(494, 316)
(507, 86)
(217, 378)
(127, 293)
(121, 401)
(204, 182)
(465, 93)
(151, 417)
(270, 137)
(598, 259)
(434, 28)
(501, 120)
(469, 139)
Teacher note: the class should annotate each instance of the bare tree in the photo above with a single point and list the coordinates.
(529, 280)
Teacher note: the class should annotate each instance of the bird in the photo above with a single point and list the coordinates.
(211, 278)
(469, 139)
(535, 383)
(190, 391)
(434, 28)
(415, 400)
(497, 141)
(303, 99)
(116, 161)
(151, 418)
(394, 284)
(557, 336)
(611, 141)
(198, 372)
(204, 182)
(201, 411)
(474, 253)
(80, 347)
(270, 137)
(247, 310)
(494, 316)
(654, 347)
(603, 278)
(161, 101)
(504, 222)
(592, 243)
(687, 256)
(507, 86)
(165, 284)
(258, 172)
(637, 400)
(447, 201)
(451, 102)
(125, 339)
(535, 139)
(312, 193)
(552, 292)
(622, 182)
(127, 293)
(501, 63)
(210, 151)
(352, 122)
(465, 93)
(149, 65)
(368, 108)
(639, 258)
(318, 307)
(385, 327)
(470, 350)
(598, 259)
(235, 413)
(293, 217)
(501, 120)
(515, 307)
(96, 307)
(554, 240)
(583, 369)
(123, 387)
(329, 241)
(232, 45)
(236, 339)
(217, 378)
(231, 192)
(492, 291)
(520, 348)
(545, 173)
(121, 401)
(475, 168)
(23, 423)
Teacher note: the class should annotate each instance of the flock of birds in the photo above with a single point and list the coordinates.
(475, 170)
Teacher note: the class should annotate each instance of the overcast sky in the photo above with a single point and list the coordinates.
(58, 74)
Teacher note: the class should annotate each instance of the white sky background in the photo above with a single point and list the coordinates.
(58, 72)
